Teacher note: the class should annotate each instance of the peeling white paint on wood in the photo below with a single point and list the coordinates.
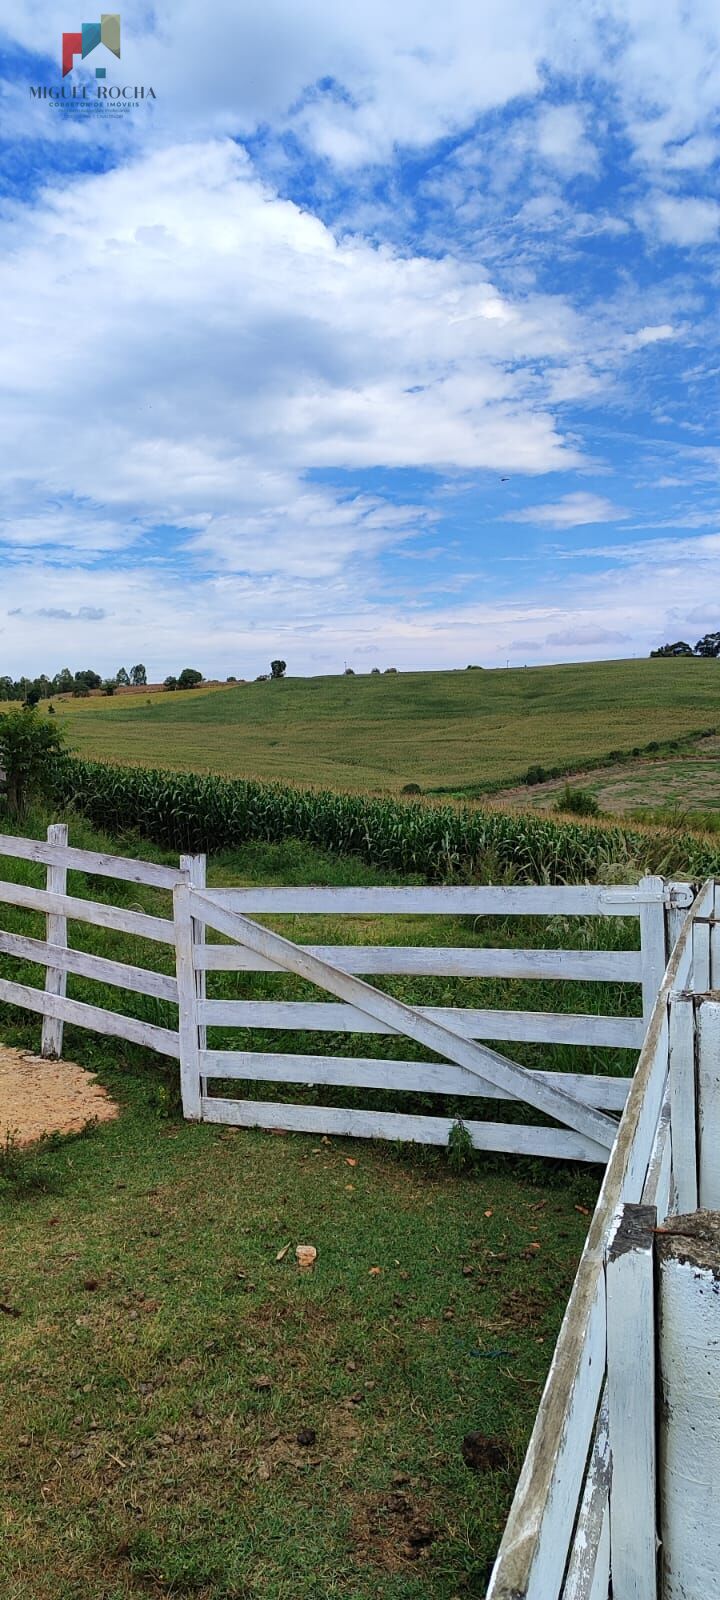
(689, 1374)
(631, 1402)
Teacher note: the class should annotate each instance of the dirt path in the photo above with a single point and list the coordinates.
(38, 1097)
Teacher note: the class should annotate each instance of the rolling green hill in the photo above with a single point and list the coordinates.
(442, 730)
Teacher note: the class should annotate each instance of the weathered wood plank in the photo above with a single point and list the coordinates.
(92, 911)
(629, 1289)
(55, 977)
(407, 1021)
(111, 1023)
(474, 900)
(688, 1269)
(588, 1574)
(652, 942)
(506, 1138)
(535, 1544)
(683, 1109)
(701, 954)
(322, 1016)
(658, 1188)
(708, 1110)
(55, 853)
(596, 966)
(139, 980)
(606, 1094)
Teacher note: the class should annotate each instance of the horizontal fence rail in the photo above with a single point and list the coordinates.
(597, 966)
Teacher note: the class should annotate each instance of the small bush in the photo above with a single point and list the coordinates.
(535, 775)
(578, 801)
(411, 788)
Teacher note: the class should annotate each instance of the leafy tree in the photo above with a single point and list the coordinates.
(278, 668)
(32, 695)
(709, 645)
(189, 678)
(63, 682)
(88, 679)
(374, 672)
(122, 679)
(109, 686)
(349, 672)
(170, 683)
(679, 648)
(30, 749)
(138, 675)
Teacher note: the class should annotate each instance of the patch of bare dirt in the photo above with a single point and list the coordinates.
(388, 1530)
(39, 1097)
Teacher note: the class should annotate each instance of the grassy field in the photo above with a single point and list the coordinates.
(686, 782)
(189, 1415)
(446, 731)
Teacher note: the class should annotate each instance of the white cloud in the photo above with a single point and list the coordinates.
(357, 81)
(587, 636)
(571, 511)
(563, 142)
(200, 347)
(682, 220)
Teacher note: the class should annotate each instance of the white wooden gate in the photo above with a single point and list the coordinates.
(581, 1103)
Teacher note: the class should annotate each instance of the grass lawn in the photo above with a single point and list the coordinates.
(184, 1413)
(441, 730)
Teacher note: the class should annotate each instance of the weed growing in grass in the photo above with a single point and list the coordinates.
(460, 1151)
(26, 1172)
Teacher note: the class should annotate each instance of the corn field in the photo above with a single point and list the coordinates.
(188, 812)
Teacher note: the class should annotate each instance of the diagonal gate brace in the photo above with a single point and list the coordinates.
(489, 1065)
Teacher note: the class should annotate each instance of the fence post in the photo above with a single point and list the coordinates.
(56, 933)
(652, 941)
(188, 1027)
(196, 867)
(708, 1102)
(688, 1269)
(631, 1403)
(683, 1101)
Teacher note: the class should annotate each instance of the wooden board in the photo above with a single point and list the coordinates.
(586, 966)
(607, 1094)
(320, 1016)
(509, 1138)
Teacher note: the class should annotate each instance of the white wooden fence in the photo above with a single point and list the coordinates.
(585, 1106)
(589, 1504)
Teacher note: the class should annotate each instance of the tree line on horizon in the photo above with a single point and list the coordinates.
(32, 690)
(709, 645)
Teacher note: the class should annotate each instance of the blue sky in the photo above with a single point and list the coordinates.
(380, 339)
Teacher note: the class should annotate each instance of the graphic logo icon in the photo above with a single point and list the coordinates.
(106, 31)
